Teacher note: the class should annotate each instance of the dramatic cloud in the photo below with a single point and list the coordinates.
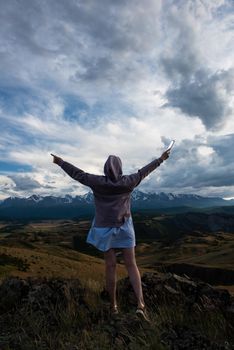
(204, 96)
(202, 165)
(23, 183)
(85, 79)
(197, 88)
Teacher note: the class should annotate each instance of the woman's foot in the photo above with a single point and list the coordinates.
(114, 310)
(142, 313)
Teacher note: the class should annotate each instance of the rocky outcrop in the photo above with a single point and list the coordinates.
(212, 275)
(60, 313)
(39, 293)
(33, 308)
(173, 289)
(186, 297)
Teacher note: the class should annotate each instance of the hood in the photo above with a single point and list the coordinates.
(113, 168)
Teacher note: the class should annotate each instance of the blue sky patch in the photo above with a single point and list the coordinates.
(13, 167)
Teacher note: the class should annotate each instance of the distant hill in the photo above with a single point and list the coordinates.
(172, 227)
(68, 207)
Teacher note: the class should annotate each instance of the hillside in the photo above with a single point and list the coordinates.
(52, 293)
(45, 249)
(58, 248)
(58, 313)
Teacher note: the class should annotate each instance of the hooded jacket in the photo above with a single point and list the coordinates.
(112, 191)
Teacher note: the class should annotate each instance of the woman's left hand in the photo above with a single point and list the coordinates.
(165, 155)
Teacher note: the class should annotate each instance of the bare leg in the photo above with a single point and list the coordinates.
(134, 274)
(110, 263)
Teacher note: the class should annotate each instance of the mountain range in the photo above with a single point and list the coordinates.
(52, 207)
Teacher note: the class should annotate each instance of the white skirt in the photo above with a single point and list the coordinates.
(104, 238)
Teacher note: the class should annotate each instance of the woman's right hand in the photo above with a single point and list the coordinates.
(56, 160)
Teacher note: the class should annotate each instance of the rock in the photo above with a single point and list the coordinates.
(219, 298)
(39, 293)
(12, 291)
(173, 289)
(37, 305)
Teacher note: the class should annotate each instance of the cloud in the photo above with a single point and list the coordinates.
(80, 43)
(195, 88)
(116, 77)
(204, 165)
(24, 183)
(18, 184)
(116, 46)
(204, 96)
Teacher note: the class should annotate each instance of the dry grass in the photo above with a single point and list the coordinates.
(46, 264)
(90, 326)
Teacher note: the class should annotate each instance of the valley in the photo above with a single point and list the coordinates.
(57, 248)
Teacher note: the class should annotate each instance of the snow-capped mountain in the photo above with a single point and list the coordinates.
(71, 207)
(35, 198)
(138, 198)
(167, 200)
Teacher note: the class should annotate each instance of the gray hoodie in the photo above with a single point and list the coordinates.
(112, 191)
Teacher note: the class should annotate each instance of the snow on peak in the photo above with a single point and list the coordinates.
(68, 198)
(87, 197)
(35, 198)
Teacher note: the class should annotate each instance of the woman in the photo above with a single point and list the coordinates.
(112, 226)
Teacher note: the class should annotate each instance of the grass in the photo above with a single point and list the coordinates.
(46, 250)
(90, 326)
(212, 324)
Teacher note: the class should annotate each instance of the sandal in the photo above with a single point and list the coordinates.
(114, 310)
(142, 313)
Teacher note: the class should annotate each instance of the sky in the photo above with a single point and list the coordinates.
(86, 79)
